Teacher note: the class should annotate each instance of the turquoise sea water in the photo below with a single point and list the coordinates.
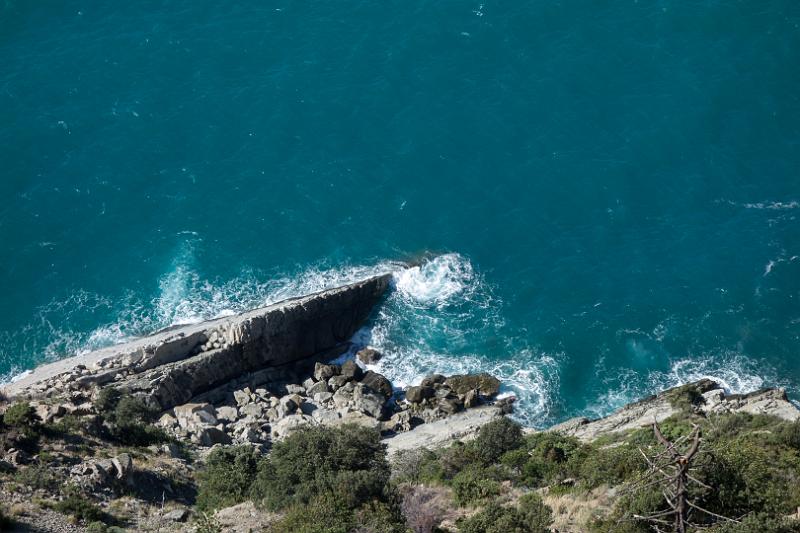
(615, 186)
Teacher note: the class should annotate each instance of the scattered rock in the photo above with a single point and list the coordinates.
(319, 386)
(227, 413)
(471, 398)
(336, 382)
(295, 389)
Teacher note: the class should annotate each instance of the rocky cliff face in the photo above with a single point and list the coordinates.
(173, 366)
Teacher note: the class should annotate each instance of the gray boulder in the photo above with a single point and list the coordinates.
(378, 383)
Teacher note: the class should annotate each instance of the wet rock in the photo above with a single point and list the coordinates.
(486, 384)
(433, 379)
(378, 383)
(418, 394)
(369, 356)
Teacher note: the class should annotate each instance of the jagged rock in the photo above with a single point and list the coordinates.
(319, 386)
(178, 515)
(16, 457)
(344, 395)
(295, 389)
(288, 406)
(398, 422)
(361, 419)
(285, 426)
(123, 465)
(351, 370)
(369, 356)
(378, 383)
(322, 397)
(450, 406)
(471, 398)
(336, 382)
(433, 379)
(48, 413)
(242, 398)
(324, 372)
(326, 417)
(418, 394)
(93, 474)
(227, 413)
(252, 410)
(308, 383)
(211, 436)
(486, 384)
(167, 421)
(189, 410)
(368, 402)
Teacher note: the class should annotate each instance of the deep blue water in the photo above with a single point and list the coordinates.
(616, 184)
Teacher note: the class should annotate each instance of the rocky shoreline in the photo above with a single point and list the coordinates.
(252, 379)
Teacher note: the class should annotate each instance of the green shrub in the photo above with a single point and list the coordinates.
(532, 516)
(227, 477)
(473, 485)
(759, 523)
(610, 466)
(128, 419)
(39, 476)
(349, 460)
(325, 513)
(456, 458)
(21, 415)
(417, 466)
(498, 437)
(81, 508)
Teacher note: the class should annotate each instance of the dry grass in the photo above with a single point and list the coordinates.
(573, 511)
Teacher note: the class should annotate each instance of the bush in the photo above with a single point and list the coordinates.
(474, 485)
(81, 508)
(759, 523)
(39, 476)
(326, 513)
(227, 477)
(498, 437)
(532, 516)
(349, 461)
(21, 415)
(128, 418)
